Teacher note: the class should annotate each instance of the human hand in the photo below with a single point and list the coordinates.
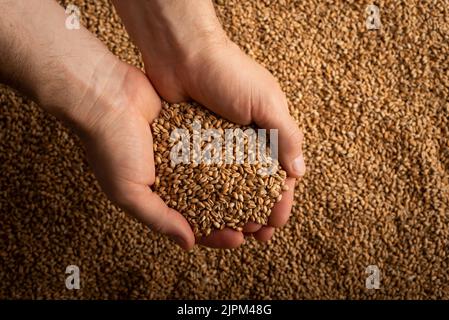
(119, 149)
(188, 56)
(108, 103)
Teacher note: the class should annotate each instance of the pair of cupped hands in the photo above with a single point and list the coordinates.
(187, 56)
(187, 59)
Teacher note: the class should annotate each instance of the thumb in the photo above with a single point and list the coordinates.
(150, 209)
(273, 114)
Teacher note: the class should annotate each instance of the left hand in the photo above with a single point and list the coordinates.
(187, 57)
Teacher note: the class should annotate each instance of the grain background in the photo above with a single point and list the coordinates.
(374, 109)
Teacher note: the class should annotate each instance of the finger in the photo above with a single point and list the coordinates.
(273, 114)
(149, 208)
(226, 239)
(281, 210)
(251, 227)
(264, 234)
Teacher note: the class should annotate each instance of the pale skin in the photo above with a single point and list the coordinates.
(110, 104)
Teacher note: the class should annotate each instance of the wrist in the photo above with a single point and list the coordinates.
(171, 30)
(69, 73)
(83, 94)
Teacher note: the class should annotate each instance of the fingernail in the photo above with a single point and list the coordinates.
(299, 166)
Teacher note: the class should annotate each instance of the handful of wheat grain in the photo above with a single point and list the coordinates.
(214, 195)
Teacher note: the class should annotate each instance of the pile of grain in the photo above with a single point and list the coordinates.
(212, 195)
(373, 106)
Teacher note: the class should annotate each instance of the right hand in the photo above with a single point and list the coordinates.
(108, 103)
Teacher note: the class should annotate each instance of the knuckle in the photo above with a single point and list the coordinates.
(294, 134)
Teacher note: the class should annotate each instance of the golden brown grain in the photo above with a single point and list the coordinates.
(211, 196)
(373, 105)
